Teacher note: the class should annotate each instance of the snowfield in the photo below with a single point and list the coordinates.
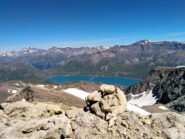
(180, 66)
(137, 109)
(143, 99)
(76, 92)
(163, 108)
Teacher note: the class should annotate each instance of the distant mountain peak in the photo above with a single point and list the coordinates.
(5, 53)
(142, 42)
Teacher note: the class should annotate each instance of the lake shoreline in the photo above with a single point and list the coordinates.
(98, 76)
(102, 79)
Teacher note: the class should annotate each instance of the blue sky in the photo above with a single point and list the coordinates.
(47, 23)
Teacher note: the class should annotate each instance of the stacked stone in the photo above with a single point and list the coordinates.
(107, 103)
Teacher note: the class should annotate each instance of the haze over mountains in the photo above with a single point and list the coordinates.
(134, 60)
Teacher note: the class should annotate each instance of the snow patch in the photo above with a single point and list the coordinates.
(23, 100)
(55, 87)
(76, 92)
(143, 99)
(180, 67)
(40, 86)
(9, 91)
(137, 109)
(17, 84)
(146, 41)
(163, 108)
(14, 91)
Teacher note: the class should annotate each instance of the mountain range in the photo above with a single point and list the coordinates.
(133, 60)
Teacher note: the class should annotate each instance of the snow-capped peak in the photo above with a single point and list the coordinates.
(5, 53)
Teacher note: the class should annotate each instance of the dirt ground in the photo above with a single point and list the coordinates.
(7, 87)
(48, 92)
(38, 94)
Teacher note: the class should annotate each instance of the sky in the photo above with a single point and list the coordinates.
(75, 23)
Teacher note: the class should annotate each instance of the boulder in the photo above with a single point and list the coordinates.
(95, 96)
(67, 130)
(105, 107)
(121, 97)
(95, 108)
(3, 117)
(22, 110)
(49, 108)
(107, 89)
(72, 113)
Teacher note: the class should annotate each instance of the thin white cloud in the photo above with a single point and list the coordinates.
(79, 43)
(176, 34)
(179, 39)
(98, 42)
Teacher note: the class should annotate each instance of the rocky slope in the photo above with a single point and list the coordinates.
(105, 116)
(18, 71)
(41, 91)
(166, 84)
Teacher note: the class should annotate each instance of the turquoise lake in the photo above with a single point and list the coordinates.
(102, 79)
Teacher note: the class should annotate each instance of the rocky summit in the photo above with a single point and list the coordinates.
(105, 116)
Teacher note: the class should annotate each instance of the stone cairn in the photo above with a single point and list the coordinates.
(107, 103)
